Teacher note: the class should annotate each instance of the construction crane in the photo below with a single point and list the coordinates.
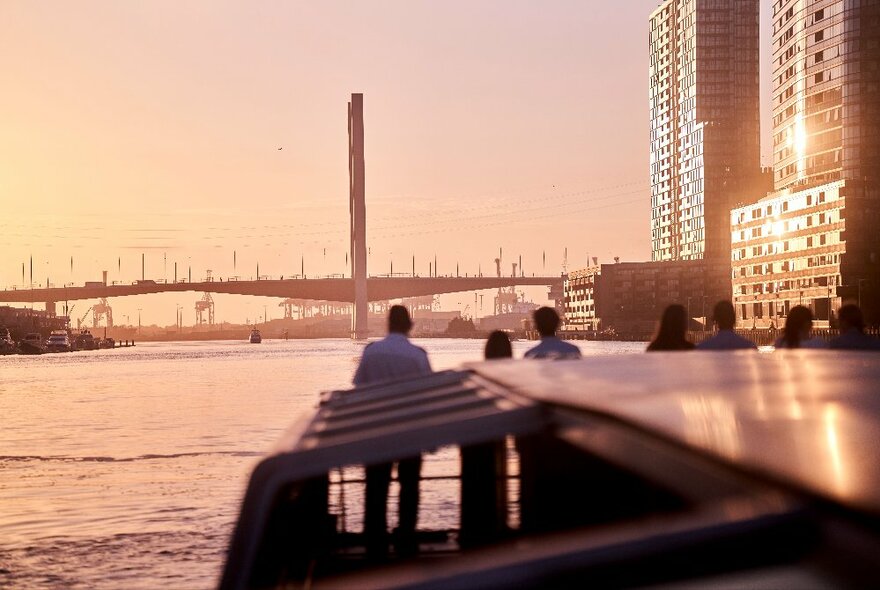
(102, 310)
(82, 319)
(205, 304)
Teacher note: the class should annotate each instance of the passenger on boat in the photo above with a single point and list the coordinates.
(393, 356)
(852, 331)
(797, 330)
(726, 339)
(498, 346)
(546, 322)
(672, 332)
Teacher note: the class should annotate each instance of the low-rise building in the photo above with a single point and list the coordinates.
(809, 246)
(579, 296)
(629, 297)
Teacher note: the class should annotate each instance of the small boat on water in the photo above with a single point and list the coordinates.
(32, 344)
(58, 341)
(7, 344)
(255, 337)
(85, 341)
(661, 470)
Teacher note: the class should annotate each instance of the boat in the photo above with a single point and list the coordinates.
(32, 343)
(85, 341)
(255, 337)
(7, 345)
(667, 469)
(58, 341)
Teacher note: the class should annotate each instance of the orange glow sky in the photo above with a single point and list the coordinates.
(153, 127)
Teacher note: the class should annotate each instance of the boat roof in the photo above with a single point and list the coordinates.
(808, 419)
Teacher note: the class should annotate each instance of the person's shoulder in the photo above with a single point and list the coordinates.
(708, 344)
(371, 347)
(742, 341)
(533, 351)
(569, 345)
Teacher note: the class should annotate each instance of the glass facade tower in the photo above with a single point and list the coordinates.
(826, 100)
(705, 128)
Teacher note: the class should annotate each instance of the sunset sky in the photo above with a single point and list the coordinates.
(154, 127)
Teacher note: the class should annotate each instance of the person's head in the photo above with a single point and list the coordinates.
(498, 346)
(797, 326)
(724, 315)
(398, 320)
(850, 316)
(673, 324)
(546, 321)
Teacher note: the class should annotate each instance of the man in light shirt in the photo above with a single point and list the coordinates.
(547, 322)
(726, 339)
(390, 358)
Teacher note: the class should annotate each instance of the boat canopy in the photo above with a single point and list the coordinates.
(807, 418)
(374, 424)
(680, 458)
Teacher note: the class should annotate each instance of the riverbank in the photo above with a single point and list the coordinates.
(761, 337)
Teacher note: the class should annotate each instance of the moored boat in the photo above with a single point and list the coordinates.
(7, 345)
(84, 341)
(703, 470)
(58, 341)
(32, 344)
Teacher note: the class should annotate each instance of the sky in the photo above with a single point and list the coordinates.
(153, 129)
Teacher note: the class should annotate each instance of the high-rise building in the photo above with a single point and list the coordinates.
(816, 241)
(826, 100)
(705, 126)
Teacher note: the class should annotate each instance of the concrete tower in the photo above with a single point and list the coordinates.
(358, 209)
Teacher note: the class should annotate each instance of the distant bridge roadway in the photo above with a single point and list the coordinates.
(332, 289)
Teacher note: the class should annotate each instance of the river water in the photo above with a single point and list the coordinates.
(125, 468)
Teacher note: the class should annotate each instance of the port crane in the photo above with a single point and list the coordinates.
(101, 311)
(80, 321)
(203, 306)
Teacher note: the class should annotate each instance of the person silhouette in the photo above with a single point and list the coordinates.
(498, 346)
(392, 357)
(547, 321)
(852, 331)
(672, 331)
(726, 339)
(796, 333)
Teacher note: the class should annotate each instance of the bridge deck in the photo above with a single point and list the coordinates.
(378, 288)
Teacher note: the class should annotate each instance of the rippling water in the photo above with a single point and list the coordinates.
(125, 468)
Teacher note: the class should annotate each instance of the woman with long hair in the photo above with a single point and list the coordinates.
(498, 346)
(673, 327)
(796, 333)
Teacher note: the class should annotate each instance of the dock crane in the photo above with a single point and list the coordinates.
(205, 304)
(80, 321)
(102, 310)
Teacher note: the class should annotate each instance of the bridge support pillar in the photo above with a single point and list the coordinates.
(50, 307)
(358, 209)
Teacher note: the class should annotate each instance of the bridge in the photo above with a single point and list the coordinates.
(357, 290)
(326, 289)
